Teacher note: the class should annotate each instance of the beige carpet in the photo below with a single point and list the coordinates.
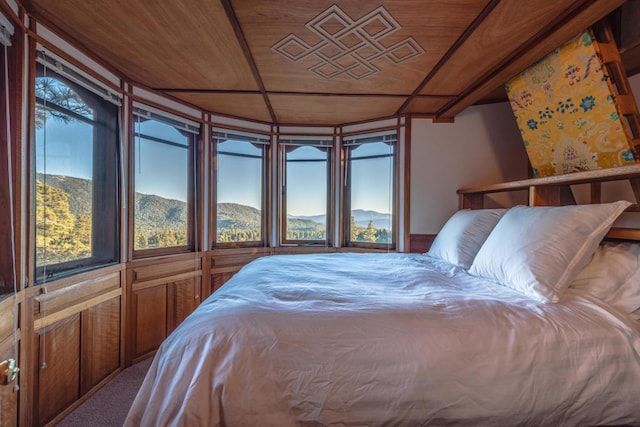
(109, 405)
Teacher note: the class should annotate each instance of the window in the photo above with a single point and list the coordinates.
(164, 177)
(306, 191)
(76, 177)
(370, 190)
(241, 180)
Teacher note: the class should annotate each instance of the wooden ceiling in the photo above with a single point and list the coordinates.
(322, 62)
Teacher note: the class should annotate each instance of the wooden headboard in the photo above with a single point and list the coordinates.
(556, 191)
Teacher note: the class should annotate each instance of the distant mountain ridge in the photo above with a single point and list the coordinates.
(361, 216)
(154, 212)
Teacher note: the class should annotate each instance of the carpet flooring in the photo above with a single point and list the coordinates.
(109, 405)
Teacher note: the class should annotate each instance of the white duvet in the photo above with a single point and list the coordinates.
(389, 339)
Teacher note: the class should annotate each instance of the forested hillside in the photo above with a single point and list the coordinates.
(63, 221)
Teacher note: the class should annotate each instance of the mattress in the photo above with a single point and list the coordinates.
(390, 339)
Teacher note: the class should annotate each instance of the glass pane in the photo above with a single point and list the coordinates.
(52, 91)
(239, 192)
(371, 193)
(64, 177)
(307, 193)
(161, 186)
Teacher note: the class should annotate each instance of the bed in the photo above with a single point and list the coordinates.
(482, 330)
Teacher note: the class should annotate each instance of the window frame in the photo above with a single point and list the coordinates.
(105, 230)
(347, 190)
(265, 193)
(168, 118)
(324, 142)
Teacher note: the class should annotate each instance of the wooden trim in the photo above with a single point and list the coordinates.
(624, 233)
(165, 108)
(599, 175)
(130, 167)
(231, 116)
(52, 301)
(406, 240)
(233, 19)
(146, 284)
(214, 124)
(45, 321)
(71, 59)
(265, 193)
(454, 47)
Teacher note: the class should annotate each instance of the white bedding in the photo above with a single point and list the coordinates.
(390, 339)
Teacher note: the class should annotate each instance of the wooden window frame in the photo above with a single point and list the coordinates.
(265, 203)
(106, 165)
(346, 200)
(283, 202)
(193, 139)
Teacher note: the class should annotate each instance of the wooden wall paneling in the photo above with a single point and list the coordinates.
(149, 320)
(544, 196)
(8, 393)
(566, 196)
(100, 347)
(164, 267)
(6, 318)
(205, 290)
(219, 279)
(420, 243)
(28, 362)
(635, 186)
(84, 289)
(161, 292)
(471, 201)
(224, 263)
(58, 382)
(596, 193)
(187, 296)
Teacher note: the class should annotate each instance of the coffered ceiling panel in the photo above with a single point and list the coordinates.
(497, 38)
(246, 105)
(326, 62)
(328, 110)
(356, 46)
(161, 44)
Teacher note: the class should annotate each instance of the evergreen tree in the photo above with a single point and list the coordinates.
(369, 234)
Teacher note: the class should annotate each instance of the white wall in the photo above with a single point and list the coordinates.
(482, 146)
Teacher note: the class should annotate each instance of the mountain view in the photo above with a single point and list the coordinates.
(63, 221)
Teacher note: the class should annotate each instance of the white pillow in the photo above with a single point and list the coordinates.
(613, 275)
(539, 250)
(461, 237)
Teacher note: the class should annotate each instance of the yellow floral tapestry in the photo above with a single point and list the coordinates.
(565, 108)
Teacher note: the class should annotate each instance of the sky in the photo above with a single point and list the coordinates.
(161, 170)
(307, 185)
(65, 156)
